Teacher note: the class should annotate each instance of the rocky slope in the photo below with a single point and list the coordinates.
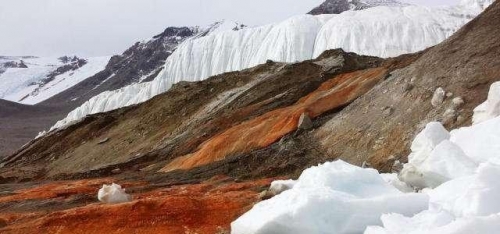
(19, 123)
(179, 121)
(215, 144)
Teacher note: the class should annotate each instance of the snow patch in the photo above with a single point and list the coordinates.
(394, 180)
(438, 156)
(490, 108)
(476, 4)
(464, 205)
(113, 194)
(335, 197)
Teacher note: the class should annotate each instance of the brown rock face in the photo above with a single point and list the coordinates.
(258, 105)
(264, 130)
(305, 122)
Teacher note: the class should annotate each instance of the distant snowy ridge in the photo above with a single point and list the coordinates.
(33, 80)
(377, 31)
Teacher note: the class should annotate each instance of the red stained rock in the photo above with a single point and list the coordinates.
(60, 189)
(199, 208)
(270, 127)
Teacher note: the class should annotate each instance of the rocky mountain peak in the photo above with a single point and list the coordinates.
(331, 7)
(177, 32)
(8, 62)
(339, 6)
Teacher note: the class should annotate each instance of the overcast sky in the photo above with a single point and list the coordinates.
(107, 27)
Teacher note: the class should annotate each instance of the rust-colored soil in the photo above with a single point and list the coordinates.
(200, 208)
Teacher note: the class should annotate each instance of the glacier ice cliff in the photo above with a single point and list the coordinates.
(377, 31)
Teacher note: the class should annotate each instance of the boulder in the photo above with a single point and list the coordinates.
(305, 123)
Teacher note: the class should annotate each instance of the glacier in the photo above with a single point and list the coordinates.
(379, 31)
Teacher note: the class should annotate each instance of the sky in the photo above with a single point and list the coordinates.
(108, 27)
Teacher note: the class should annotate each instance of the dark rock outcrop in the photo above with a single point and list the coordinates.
(331, 7)
(7, 62)
(70, 64)
(339, 6)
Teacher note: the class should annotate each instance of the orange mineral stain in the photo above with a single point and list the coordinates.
(266, 129)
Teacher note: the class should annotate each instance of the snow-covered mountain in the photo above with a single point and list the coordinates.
(30, 80)
(378, 31)
(339, 6)
(140, 63)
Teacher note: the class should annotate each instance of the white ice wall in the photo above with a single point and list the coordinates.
(378, 31)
